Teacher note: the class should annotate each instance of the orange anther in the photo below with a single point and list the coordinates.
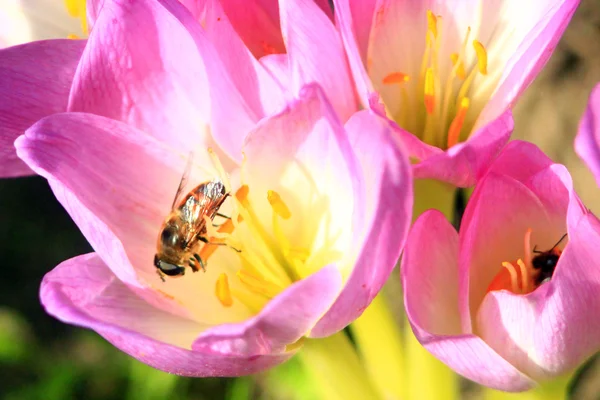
(457, 123)
(396, 77)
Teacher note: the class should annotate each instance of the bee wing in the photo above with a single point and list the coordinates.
(205, 200)
(183, 182)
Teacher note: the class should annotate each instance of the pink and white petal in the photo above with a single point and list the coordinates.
(131, 71)
(83, 291)
(492, 231)
(231, 117)
(35, 80)
(357, 55)
(429, 273)
(472, 358)
(416, 149)
(465, 163)
(387, 214)
(116, 183)
(304, 154)
(262, 92)
(529, 58)
(549, 332)
(316, 53)
(283, 321)
(587, 142)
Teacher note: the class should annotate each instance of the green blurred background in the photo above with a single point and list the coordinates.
(42, 358)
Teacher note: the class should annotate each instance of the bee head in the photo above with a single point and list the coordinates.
(168, 268)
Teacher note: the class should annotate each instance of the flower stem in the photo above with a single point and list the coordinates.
(379, 341)
(427, 377)
(430, 193)
(334, 367)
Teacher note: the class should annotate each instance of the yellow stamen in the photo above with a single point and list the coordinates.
(72, 36)
(482, 58)
(513, 276)
(524, 276)
(278, 205)
(257, 284)
(429, 91)
(457, 123)
(222, 291)
(459, 65)
(76, 8)
(432, 23)
(396, 77)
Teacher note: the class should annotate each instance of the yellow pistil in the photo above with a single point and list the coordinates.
(222, 291)
(481, 56)
(435, 105)
(257, 284)
(459, 65)
(429, 91)
(278, 205)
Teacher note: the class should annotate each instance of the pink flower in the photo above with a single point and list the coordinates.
(444, 70)
(318, 210)
(587, 142)
(202, 48)
(509, 300)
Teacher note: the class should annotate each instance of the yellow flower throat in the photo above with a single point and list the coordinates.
(433, 109)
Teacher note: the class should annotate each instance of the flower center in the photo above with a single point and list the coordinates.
(269, 259)
(525, 275)
(435, 106)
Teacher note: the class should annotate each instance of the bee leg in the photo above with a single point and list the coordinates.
(160, 275)
(222, 215)
(193, 264)
(205, 240)
(202, 265)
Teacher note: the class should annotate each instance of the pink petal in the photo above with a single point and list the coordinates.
(84, 292)
(587, 142)
(352, 21)
(493, 228)
(317, 54)
(151, 79)
(116, 183)
(309, 132)
(257, 23)
(262, 92)
(529, 58)
(463, 164)
(283, 321)
(549, 332)
(387, 214)
(551, 182)
(35, 79)
(430, 280)
(430, 275)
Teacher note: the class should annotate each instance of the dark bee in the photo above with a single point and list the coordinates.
(184, 229)
(545, 262)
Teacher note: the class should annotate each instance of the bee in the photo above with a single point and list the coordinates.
(545, 262)
(184, 229)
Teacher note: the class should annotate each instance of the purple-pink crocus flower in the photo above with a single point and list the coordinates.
(38, 79)
(587, 142)
(445, 69)
(318, 209)
(512, 298)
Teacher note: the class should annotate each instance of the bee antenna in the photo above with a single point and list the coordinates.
(535, 250)
(561, 239)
